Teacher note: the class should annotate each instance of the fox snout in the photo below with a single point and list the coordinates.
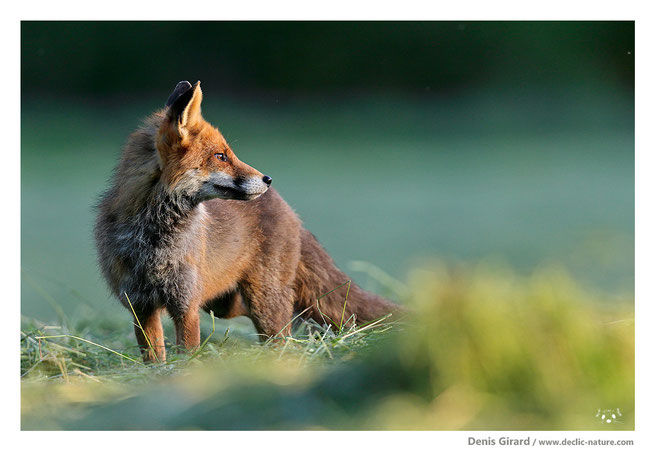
(224, 186)
(255, 185)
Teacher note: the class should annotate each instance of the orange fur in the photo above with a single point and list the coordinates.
(187, 226)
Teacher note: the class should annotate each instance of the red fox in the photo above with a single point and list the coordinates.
(186, 225)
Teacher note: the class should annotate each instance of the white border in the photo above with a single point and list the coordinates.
(302, 10)
(329, 10)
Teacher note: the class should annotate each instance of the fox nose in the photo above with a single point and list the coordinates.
(267, 180)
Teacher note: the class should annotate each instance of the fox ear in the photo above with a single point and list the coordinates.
(184, 106)
(180, 89)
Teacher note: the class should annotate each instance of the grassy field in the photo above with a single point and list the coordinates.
(485, 349)
(542, 185)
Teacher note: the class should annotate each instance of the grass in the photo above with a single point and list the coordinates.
(484, 349)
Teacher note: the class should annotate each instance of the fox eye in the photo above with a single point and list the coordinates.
(221, 156)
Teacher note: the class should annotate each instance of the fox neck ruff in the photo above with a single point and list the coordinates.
(154, 245)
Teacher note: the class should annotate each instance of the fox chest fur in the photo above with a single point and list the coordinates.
(151, 255)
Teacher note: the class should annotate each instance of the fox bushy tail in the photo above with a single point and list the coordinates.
(317, 274)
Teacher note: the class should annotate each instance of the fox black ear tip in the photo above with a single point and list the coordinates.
(181, 88)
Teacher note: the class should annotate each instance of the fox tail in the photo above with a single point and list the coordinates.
(318, 274)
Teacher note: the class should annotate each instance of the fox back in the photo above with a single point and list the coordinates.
(186, 226)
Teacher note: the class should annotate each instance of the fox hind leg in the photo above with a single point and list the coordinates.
(271, 310)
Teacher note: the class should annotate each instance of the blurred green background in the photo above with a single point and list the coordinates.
(393, 141)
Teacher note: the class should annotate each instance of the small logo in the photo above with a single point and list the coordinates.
(609, 416)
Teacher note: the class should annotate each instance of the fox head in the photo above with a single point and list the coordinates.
(195, 159)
